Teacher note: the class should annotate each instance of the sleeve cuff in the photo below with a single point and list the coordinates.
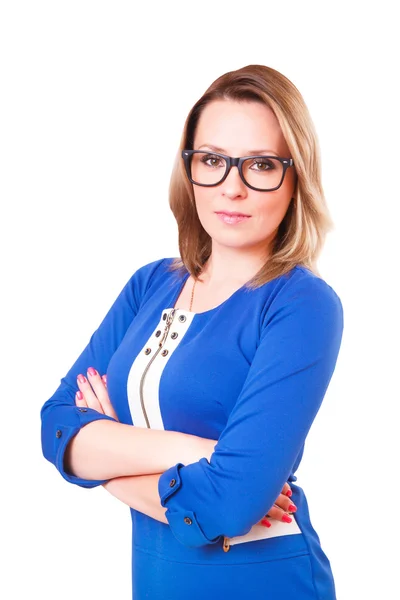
(62, 436)
(183, 521)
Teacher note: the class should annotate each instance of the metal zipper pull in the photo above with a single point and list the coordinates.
(226, 546)
(168, 323)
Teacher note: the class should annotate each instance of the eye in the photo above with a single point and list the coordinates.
(266, 165)
(204, 159)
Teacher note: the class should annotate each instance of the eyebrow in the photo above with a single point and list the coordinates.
(222, 151)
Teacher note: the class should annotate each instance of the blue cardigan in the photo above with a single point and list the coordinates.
(250, 373)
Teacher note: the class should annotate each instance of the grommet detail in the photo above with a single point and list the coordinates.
(172, 482)
(58, 433)
(174, 335)
(158, 333)
(164, 352)
(82, 409)
(188, 520)
(182, 318)
(164, 316)
(147, 351)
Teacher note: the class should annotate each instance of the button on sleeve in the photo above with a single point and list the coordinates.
(169, 482)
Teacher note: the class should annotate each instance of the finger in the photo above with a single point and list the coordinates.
(80, 399)
(285, 503)
(111, 408)
(88, 393)
(276, 513)
(101, 392)
(279, 514)
(286, 489)
(265, 522)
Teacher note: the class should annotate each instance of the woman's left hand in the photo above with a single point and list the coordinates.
(282, 508)
(93, 393)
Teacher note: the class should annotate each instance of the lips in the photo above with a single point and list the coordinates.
(231, 214)
(232, 218)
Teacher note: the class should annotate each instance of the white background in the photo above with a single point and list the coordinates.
(87, 90)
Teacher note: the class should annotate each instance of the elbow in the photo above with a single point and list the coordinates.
(59, 422)
(46, 432)
(234, 517)
(237, 525)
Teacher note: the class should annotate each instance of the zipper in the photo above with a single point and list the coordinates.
(226, 546)
(168, 324)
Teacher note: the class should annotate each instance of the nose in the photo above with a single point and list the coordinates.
(233, 183)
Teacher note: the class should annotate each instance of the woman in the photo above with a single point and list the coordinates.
(220, 359)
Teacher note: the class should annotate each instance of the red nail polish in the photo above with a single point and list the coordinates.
(286, 518)
(289, 493)
(292, 508)
(265, 523)
(92, 371)
(79, 395)
(81, 378)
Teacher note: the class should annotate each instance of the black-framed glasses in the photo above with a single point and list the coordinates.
(260, 173)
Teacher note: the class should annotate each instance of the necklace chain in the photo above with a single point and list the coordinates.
(191, 299)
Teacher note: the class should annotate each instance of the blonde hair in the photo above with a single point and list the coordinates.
(302, 231)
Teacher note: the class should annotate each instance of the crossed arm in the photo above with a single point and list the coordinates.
(134, 458)
(158, 451)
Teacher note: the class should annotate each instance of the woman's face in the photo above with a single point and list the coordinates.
(239, 128)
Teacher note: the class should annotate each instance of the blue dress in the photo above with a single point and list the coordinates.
(250, 373)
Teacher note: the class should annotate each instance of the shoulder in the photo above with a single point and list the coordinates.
(306, 282)
(156, 272)
(151, 270)
(304, 294)
(142, 279)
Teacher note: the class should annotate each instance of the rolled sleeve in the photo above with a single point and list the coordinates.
(267, 427)
(61, 427)
(183, 521)
(61, 419)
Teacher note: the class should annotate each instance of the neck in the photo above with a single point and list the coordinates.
(231, 268)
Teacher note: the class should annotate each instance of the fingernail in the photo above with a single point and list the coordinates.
(79, 395)
(286, 519)
(92, 371)
(292, 508)
(289, 493)
(81, 378)
(265, 523)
